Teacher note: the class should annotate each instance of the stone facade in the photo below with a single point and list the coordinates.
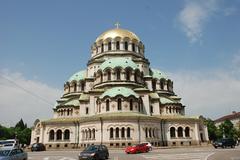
(119, 100)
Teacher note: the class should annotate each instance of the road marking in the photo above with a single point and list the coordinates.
(206, 158)
(179, 156)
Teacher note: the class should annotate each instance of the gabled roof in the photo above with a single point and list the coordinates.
(232, 116)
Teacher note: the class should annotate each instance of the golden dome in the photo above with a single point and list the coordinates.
(117, 32)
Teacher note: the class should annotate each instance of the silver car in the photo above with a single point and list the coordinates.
(13, 154)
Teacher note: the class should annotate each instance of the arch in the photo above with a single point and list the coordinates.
(169, 85)
(180, 132)
(59, 134)
(117, 132)
(131, 104)
(87, 110)
(128, 132)
(162, 82)
(126, 45)
(128, 74)
(123, 132)
(154, 84)
(119, 104)
(109, 46)
(111, 132)
(101, 77)
(118, 73)
(133, 47)
(117, 45)
(151, 109)
(93, 132)
(75, 87)
(107, 105)
(51, 135)
(82, 86)
(172, 132)
(146, 133)
(187, 132)
(108, 75)
(150, 132)
(102, 47)
(66, 134)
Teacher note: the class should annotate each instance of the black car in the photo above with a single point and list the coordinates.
(38, 147)
(225, 142)
(94, 152)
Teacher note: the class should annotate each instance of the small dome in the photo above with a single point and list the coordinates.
(118, 62)
(78, 76)
(123, 91)
(117, 32)
(158, 74)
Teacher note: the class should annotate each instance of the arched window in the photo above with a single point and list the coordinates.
(102, 48)
(111, 132)
(75, 87)
(131, 104)
(150, 132)
(172, 132)
(135, 76)
(169, 85)
(162, 84)
(180, 132)
(93, 131)
(117, 45)
(82, 86)
(118, 74)
(187, 134)
(123, 132)
(109, 75)
(126, 46)
(107, 105)
(128, 75)
(68, 111)
(151, 109)
(101, 77)
(119, 104)
(66, 134)
(51, 135)
(146, 133)
(128, 132)
(109, 46)
(90, 133)
(86, 110)
(59, 134)
(117, 132)
(133, 47)
(154, 85)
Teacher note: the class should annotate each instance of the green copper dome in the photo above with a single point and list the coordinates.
(125, 92)
(158, 74)
(118, 62)
(78, 76)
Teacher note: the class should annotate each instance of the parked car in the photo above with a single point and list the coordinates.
(38, 147)
(137, 148)
(149, 145)
(13, 154)
(9, 143)
(225, 142)
(94, 152)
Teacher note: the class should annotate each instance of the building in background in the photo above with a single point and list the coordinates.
(234, 118)
(119, 100)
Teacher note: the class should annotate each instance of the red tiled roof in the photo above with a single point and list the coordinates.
(228, 117)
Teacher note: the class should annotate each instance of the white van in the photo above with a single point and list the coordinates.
(9, 143)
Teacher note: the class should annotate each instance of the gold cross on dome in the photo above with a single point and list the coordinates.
(117, 24)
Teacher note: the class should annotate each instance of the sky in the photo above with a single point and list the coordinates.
(42, 43)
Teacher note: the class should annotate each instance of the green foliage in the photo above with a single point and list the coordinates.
(20, 131)
(211, 129)
(227, 129)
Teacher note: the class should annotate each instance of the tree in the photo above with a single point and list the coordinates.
(211, 129)
(227, 129)
(21, 125)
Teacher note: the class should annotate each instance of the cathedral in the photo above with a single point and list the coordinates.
(118, 100)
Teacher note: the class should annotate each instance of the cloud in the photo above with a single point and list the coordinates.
(193, 17)
(209, 93)
(24, 98)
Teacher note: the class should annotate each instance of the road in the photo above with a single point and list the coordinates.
(189, 153)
